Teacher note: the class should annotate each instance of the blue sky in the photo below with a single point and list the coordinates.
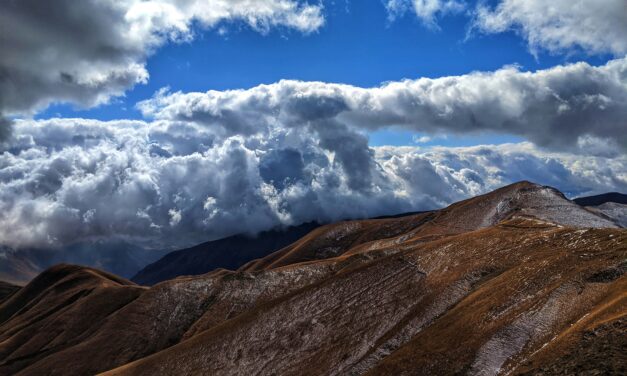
(358, 45)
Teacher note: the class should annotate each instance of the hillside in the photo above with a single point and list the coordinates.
(56, 311)
(228, 253)
(517, 281)
(6, 290)
(478, 303)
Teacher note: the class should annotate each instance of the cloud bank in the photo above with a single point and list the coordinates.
(596, 27)
(86, 52)
(173, 183)
(572, 107)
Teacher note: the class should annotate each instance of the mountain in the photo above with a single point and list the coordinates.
(616, 197)
(610, 205)
(118, 257)
(518, 281)
(615, 212)
(6, 290)
(523, 199)
(228, 253)
(56, 311)
(235, 251)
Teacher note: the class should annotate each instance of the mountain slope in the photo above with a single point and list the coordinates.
(521, 199)
(616, 212)
(58, 309)
(601, 199)
(227, 253)
(611, 205)
(6, 290)
(474, 303)
(518, 280)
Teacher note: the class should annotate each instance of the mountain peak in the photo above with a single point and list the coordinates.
(524, 199)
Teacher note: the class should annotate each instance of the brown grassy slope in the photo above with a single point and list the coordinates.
(595, 345)
(166, 313)
(475, 302)
(59, 308)
(521, 199)
(334, 239)
(512, 316)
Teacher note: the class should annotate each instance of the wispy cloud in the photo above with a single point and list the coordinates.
(595, 27)
(427, 11)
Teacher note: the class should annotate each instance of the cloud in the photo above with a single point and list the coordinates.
(6, 126)
(418, 139)
(596, 27)
(173, 183)
(87, 52)
(427, 11)
(570, 107)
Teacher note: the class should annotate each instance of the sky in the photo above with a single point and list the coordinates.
(361, 43)
(163, 123)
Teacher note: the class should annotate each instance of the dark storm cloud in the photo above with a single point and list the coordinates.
(6, 126)
(65, 51)
(85, 52)
(351, 152)
(282, 167)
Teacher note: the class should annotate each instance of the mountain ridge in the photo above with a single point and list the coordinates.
(228, 253)
(506, 276)
(616, 197)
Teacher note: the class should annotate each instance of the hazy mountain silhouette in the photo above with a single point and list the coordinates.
(616, 197)
(228, 253)
(118, 257)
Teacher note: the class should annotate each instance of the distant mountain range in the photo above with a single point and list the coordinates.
(20, 266)
(601, 199)
(228, 253)
(518, 281)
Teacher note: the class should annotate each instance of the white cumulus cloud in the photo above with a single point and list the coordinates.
(596, 27)
(173, 183)
(564, 108)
